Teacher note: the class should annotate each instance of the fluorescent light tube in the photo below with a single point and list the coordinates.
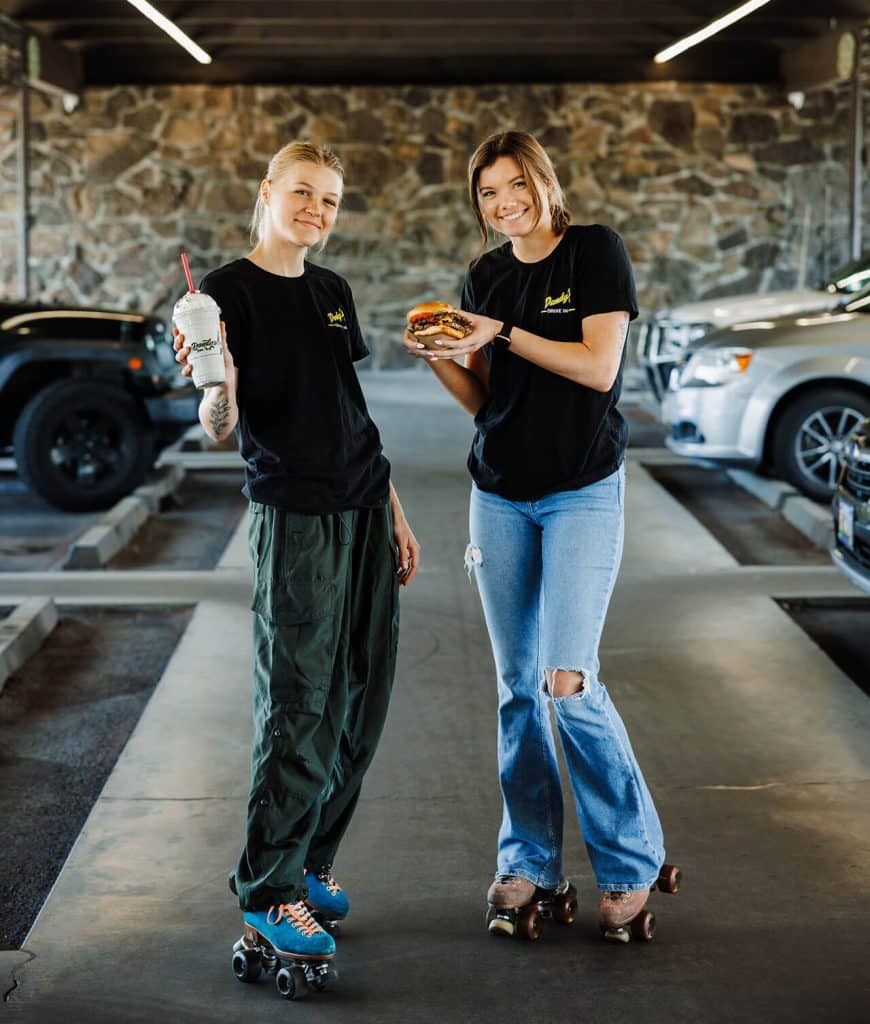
(698, 37)
(171, 29)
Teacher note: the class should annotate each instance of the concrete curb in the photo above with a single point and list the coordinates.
(23, 633)
(168, 480)
(119, 525)
(774, 493)
(192, 440)
(101, 542)
(814, 521)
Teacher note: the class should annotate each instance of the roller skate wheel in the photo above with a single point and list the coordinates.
(247, 965)
(566, 909)
(499, 925)
(291, 983)
(643, 927)
(670, 878)
(528, 924)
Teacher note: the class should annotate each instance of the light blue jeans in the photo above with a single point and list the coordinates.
(545, 571)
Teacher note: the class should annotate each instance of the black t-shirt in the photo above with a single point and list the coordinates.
(538, 432)
(305, 434)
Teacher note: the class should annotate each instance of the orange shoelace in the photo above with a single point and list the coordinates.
(328, 881)
(299, 916)
(330, 884)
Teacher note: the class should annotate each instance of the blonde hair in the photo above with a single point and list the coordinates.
(536, 167)
(292, 153)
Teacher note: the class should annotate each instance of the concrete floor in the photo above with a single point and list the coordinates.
(753, 742)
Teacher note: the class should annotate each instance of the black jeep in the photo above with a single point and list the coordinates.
(87, 399)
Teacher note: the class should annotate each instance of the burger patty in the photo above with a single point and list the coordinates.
(453, 320)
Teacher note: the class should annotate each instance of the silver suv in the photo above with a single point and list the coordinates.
(663, 338)
(782, 393)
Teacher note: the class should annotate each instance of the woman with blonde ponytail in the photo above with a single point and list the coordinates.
(330, 546)
(542, 375)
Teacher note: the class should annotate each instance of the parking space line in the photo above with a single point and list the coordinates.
(201, 460)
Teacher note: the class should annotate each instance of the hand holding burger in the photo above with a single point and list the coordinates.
(430, 320)
(436, 331)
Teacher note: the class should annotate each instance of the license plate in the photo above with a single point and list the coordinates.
(846, 523)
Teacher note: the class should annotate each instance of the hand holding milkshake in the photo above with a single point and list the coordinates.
(196, 351)
(197, 320)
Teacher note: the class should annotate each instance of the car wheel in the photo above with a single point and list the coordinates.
(82, 444)
(809, 438)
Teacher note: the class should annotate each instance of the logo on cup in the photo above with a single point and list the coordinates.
(206, 345)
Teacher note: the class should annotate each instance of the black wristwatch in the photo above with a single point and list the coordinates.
(503, 338)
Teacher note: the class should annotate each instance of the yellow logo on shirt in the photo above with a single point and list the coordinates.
(337, 319)
(560, 300)
(559, 303)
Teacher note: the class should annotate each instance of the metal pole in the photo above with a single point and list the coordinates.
(23, 189)
(855, 155)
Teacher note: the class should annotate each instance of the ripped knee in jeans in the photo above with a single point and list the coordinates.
(473, 557)
(564, 682)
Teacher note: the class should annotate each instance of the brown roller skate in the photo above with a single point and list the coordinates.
(622, 915)
(518, 907)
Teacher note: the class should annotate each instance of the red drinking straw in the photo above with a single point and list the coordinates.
(187, 272)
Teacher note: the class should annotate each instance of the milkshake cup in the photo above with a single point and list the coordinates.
(198, 317)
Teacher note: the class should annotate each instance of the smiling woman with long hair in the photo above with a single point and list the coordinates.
(542, 374)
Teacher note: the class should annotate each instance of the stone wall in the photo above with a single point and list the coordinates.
(715, 188)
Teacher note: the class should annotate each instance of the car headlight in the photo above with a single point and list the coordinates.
(712, 367)
(676, 337)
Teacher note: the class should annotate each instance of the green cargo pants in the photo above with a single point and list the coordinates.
(326, 627)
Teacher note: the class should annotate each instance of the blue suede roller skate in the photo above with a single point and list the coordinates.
(328, 901)
(285, 941)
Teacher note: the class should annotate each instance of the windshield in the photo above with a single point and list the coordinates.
(854, 277)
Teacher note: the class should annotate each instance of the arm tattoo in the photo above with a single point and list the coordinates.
(219, 415)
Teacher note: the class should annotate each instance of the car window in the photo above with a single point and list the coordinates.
(83, 324)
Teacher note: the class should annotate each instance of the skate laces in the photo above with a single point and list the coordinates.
(298, 915)
(330, 883)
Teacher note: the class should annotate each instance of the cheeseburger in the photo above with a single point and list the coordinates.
(433, 318)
